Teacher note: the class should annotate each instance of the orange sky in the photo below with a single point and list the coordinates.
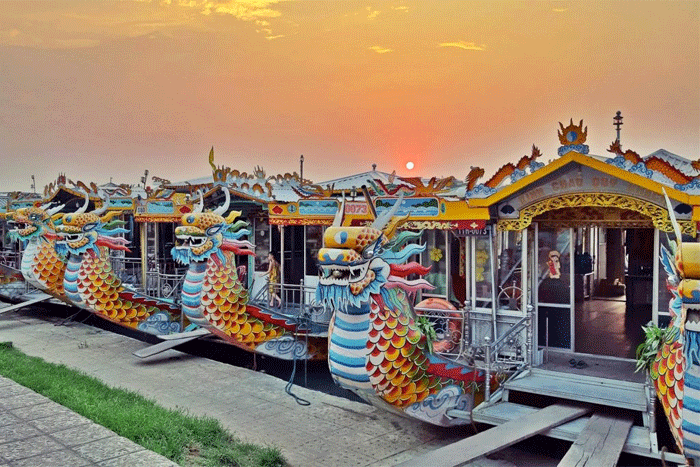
(108, 89)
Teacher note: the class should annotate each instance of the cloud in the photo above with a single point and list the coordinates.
(463, 45)
(380, 50)
(372, 13)
(403, 8)
(269, 38)
(559, 10)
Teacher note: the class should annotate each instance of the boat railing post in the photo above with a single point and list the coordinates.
(487, 381)
(651, 412)
(529, 344)
(306, 321)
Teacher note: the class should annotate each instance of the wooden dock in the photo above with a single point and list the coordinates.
(600, 443)
(500, 437)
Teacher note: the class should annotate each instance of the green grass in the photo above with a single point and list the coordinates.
(185, 439)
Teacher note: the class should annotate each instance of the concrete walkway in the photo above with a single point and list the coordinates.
(35, 431)
(332, 431)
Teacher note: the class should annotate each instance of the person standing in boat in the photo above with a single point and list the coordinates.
(273, 279)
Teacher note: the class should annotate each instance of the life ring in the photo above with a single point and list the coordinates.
(454, 319)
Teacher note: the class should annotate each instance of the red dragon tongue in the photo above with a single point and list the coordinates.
(403, 270)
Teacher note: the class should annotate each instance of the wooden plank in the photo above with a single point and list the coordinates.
(166, 345)
(629, 396)
(41, 298)
(600, 443)
(500, 437)
(184, 335)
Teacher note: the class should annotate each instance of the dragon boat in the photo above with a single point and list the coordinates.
(377, 346)
(214, 298)
(89, 282)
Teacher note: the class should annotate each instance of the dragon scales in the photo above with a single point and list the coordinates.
(213, 296)
(41, 265)
(376, 347)
(90, 283)
(675, 366)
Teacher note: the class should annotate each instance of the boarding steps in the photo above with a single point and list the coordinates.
(605, 392)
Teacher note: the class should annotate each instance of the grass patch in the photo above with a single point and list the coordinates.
(185, 439)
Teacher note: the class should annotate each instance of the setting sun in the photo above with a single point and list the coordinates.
(410, 165)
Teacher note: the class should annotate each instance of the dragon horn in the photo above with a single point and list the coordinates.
(224, 207)
(338, 219)
(200, 206)
(103, 209)
(53, 210)
(384, 218)
(83, 208)
(674, 222)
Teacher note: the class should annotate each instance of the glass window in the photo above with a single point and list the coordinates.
(435, 256)
(314, 242)
(481, 259)
(509, 270)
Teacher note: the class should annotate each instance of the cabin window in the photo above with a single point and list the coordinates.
(481, 280)
(262, 243)
(509, 272)
(314, 242)
(435, 256)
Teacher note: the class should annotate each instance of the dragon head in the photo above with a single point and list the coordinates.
(356, 262)
(32, 222)
(80, 231)
(203, 235)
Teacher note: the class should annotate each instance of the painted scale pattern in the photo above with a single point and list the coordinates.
(667, 373)
(214, 297)
(90, 282)
(48, 269)
(401, 369)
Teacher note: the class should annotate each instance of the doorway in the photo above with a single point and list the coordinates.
(594, 287)
(613, 296)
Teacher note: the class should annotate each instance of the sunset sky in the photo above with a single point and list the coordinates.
(100, 89)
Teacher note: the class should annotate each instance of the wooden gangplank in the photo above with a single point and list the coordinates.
(500, 437)
(36, 299)
(171, 341)
(600, 443)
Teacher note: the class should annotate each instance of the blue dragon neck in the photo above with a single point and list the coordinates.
(71, 279)
(28, 257)
(347, 349)
(191, 296)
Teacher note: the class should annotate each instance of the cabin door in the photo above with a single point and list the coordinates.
(552, 273)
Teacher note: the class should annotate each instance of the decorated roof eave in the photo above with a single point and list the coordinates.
(575, 157)
(74, 192)
(245, 196)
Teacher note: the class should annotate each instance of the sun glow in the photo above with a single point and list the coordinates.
(410, 165)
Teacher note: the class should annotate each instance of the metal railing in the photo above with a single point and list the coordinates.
(298, 300)
(11, 259)
(452, 332)
(510, 353)
(158, 284)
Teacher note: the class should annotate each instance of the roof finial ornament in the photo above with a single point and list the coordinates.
(618, 122)
(374, 167)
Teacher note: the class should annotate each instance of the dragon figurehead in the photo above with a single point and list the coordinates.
(205, 235)
(41, 265)
(357, 262)
(85, 232)
(32, 222)
(672, 355)
(378, 347)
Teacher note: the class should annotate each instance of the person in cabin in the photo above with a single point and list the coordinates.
(273, 280)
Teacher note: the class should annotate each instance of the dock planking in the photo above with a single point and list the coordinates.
(600, 443)
(36, 299)
(500, 437)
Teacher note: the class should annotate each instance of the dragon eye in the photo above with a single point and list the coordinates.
(214, 229)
